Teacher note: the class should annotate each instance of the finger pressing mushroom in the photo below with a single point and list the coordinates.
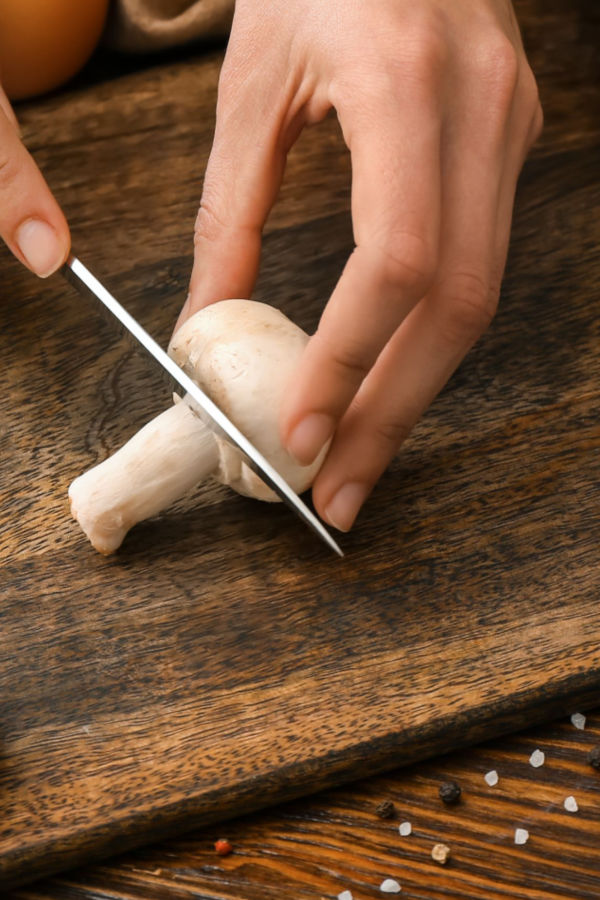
(243, 355)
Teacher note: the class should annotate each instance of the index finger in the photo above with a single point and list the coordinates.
(395, 150)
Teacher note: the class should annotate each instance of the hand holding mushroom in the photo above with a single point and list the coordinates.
(438, 107)
(242, 354)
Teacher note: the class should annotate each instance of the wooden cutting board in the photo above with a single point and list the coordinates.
(224, 660)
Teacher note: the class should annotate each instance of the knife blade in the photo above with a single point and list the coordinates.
(88, 285)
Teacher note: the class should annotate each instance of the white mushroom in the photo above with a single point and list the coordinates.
(243, 355)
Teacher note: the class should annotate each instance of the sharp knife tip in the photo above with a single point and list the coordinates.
(334, 546)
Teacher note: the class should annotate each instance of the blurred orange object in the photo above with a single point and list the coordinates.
(43, 43)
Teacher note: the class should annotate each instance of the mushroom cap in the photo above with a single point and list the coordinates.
(244, 354)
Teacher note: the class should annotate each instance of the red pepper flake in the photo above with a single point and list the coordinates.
(223, 847)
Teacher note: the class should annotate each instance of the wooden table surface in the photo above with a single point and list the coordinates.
(317, 848)
(335, 842)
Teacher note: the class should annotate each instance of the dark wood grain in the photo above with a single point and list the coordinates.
(319, 847)
(223, 661)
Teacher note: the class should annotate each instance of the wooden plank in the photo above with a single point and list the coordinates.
(318, 847)
(223, 660)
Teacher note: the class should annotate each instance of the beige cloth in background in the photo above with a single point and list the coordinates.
(137, 26)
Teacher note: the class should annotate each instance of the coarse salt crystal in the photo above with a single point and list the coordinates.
(491, 778)
(405, 828)
(389, 886)
(578, 720)
(537, 758)
(521, 835)
(570, 804)
(345, 895)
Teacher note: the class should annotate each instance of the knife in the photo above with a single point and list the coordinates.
(81, 278)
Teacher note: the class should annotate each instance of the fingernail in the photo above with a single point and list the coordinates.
(344, 508)
(309, 436)
(39, 244)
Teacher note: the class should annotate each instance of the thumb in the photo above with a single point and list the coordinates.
(31, 222)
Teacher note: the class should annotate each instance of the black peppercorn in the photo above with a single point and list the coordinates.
(594, 757)
(450, 792)
(386, 809)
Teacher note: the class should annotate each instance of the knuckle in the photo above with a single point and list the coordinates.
(530, 95)
(537, 113)
(349, 358)
(209, 224)
(351, 361)
(428, 52)
(407, 263)
(499, 68)
(529, 90)
(504, 62)
(537, 123)
(470, 304)
(379, 76)
(391, 433)
(358, 91)
(9, 170)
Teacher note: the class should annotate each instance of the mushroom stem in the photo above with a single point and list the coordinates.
(168, 457)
